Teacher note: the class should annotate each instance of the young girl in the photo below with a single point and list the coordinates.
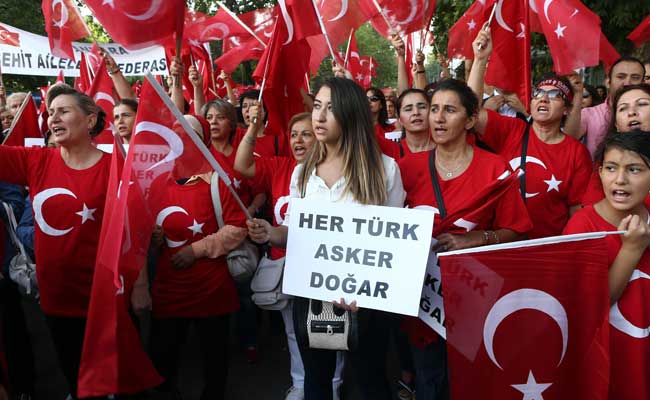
(345, 165)
(625, 175)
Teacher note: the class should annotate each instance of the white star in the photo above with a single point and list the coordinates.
(194, 43)
(471, 25)
(86, 214)
(109, 3)
(237, 183)
(531, 389)
(196, 228)
(559, 31)
(359, 77)
(522, 34)
(553, 184)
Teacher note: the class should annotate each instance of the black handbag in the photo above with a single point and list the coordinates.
(322, 325)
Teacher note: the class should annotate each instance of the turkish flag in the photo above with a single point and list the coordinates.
(405, 16)
(641, 33)
(101, 90)
(607, 53)
(284, 64)
(528, 320)
(572, 32)
(63, 25)
(83, 82)
(60, 78)
(205, 28)
(113, 361)
(368, 69)
(509, 67)
(8, 37)
(464, 31)
(139, 24)
(353, 58)
(24, 125)
(233, 55)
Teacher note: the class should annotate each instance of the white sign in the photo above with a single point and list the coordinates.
(374, 255)
(33, 57)
(431, 310)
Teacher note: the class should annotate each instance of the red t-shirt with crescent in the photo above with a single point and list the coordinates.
(629, 317)
(68, 209)
(556, 174)
(206, 287)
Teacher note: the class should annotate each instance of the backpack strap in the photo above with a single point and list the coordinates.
(436, 184)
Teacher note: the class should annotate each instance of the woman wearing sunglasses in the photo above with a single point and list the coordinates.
(557, 167)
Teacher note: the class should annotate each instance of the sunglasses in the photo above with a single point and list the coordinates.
(552, 94)
(373, 98)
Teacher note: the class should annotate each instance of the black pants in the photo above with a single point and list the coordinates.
(367, 363)
(16, 340)
(167, 338)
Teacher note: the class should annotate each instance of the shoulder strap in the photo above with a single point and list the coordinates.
(12, 231)
(522, 165)
(401, 149)
(216, 199)
(276, 144)
(436, 185)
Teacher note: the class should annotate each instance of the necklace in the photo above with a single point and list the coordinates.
(449, 173)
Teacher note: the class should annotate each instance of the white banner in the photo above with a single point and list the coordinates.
(374, 255)
(33, 57)
(431, 309)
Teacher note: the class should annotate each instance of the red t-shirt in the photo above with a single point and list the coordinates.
(388, 147)
(629, 317)
(273, 174)
(508, 213)
(205, 288)
(245, 188)
(266, 145)
(557, 174)
(68, 208)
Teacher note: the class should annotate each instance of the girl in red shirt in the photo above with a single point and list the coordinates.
(625, 176)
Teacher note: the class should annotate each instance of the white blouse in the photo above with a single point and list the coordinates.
(317, 189)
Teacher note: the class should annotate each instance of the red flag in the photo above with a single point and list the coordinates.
(101, 91)
(368, 69)
(641, 33)
(405, 16)
(464, 31)
(528, 320)
(8, 37)
(205, 28)
(572, 32)
(83, 82)
(139, 24)
(300, 18)
(25, 125)
(113, 361)
(284, 64)
(354, 61)
(509, 67)
(249, 49)
(608, 54)
(60, 78)
(63, 25)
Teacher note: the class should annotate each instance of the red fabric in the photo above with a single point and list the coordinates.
(287, 59)
(206, 28)
(464, 31)
(572, 32)
(568, 162)
(608, 54)
(205, 288)
(528, 316)
(387, 146)
(239, 48)
(630, 356)
(101, 90)
(248, 49)
(8, 37)
(139, 24)
(63, 25)
(83, 82)
(246, 189)
(369, 70)
(265, 145)
(405, 16)
(509, 67)
(641, 33)
(60, 78)
(25, 125)
(354, 61)
(64, 275)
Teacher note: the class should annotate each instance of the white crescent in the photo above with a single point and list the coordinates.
(64, 14)
(277, 210)
(414, 10)
(354, 54)
(287, 20)
(173, 140)
(4, 34)
(362, 61)
(37, 204)
(217, 25)
(547, 4)
(160, 220)
(104, 96)
(499, 17)
(516, 163)
(524, 299)
(533, 6)
(344, 10)
(153, 9)
(618, 321)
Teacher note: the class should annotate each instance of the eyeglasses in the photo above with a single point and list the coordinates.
(373, 98)
(552, 94)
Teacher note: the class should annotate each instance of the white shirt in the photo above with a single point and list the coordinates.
(317, 189)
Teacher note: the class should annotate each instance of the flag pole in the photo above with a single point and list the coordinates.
(322, 28)
(18, 115)
(197, 141)
(480, 46)
(347, 50)
(240, 22)
(179, 44)
(378, 7)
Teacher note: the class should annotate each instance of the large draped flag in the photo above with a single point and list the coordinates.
(405, 16)
(8, 37)
(528, 319)
(163, 147)
(464, 31)
(641, 34)
(63, 24)
(139, 24)
(25, 124)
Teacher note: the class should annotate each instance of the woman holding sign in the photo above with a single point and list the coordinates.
(475, 202)
(345, 165)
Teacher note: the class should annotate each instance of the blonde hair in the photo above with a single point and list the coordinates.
(363, 167)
